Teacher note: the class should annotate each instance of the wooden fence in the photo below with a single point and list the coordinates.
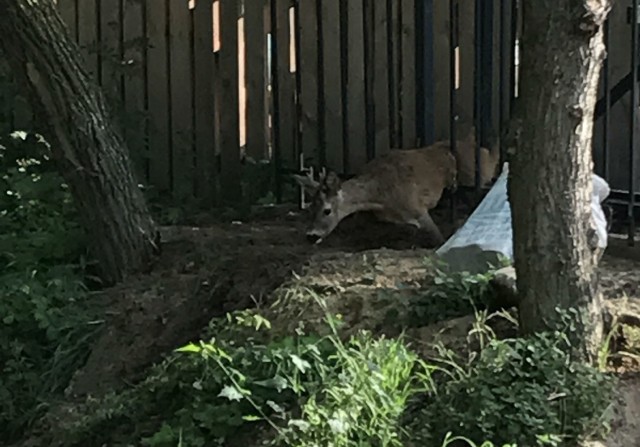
(198, 82)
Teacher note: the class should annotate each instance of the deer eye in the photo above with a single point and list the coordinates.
(326, 211)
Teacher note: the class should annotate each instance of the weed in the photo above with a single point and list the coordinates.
(305, 390)
(528, 390)
(450, 295)
(44, 305)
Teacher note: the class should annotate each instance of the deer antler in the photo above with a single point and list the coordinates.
(307, 180)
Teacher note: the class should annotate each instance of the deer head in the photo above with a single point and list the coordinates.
(327, 204)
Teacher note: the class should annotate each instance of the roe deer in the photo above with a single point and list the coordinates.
(399, 187)
(466, 159)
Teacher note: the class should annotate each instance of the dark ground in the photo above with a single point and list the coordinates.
(210, 269)
(214, 267)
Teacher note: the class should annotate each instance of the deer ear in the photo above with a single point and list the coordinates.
(332, 183)
(306, 181)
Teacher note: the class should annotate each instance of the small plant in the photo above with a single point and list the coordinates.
(356, 394)
(527, 390)
(450, 295)
(247, 384)
(302, 390)
(46, 318)
(38, 223)
(449, 439)
(363, 403)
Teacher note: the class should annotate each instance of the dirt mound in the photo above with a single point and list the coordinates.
(369, 272)
(205, 272)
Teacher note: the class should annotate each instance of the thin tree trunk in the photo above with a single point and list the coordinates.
(550, 181)
(90, 152)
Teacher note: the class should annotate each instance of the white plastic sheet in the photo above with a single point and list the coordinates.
(487, 233)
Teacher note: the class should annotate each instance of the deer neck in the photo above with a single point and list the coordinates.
(357, 196)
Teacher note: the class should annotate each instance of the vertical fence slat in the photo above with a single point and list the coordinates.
(395, 72)
(229, 103)
(332, 88)
(255, 69)
(426, 80)
(381, 78)
(441, 71)
(488, 57)
(286, 86)
(309, 79)
(268, 106)
(110, 56)
(158, 101)
(507, 62)
(356, 94)
(495, 70)
(88, 35)
(134, 84)
(242, 79)
(408, 70)
(204, 103)
(181, 88)
(369, 66)
(67, 10)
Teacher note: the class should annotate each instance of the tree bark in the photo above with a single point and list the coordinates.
(89, 150)
(550, 173)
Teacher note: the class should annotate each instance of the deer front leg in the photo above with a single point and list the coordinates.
(426, 223)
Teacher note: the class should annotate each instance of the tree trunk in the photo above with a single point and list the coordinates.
(90, 152)
(550, 180)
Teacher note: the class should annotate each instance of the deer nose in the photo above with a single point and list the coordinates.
(313, 238)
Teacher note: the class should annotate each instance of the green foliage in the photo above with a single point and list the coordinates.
(450, 295)
(303, 390)
(363, 391)
(38, 223)
(527, 390)
(43, 302)
(455, 440)
(362, 401)
(44, 338)
(208, 392)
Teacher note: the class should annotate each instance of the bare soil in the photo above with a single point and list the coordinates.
(206, 271)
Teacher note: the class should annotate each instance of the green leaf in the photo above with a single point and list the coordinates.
(301, 364)
(275, 407)
(277, 382)
(261, 321)
(231, 393)
(251, 418)
(190, 348)
(299, 423)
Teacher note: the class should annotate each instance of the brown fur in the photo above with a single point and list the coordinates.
(466, 158)
(409, 180)
(400, 187)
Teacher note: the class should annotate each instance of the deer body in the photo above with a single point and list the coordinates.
(466, 160)
(399, 187)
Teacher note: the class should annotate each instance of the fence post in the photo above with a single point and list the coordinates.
(204, 103)
(231, 185)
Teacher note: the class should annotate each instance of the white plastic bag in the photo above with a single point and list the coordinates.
(487, 233)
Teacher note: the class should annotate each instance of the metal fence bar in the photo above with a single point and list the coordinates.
(634, 116)
(425, 78)
(453, 115)
(477, 86)
(512, 49)
(275, 114)
(502, 113)
(606, 73)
